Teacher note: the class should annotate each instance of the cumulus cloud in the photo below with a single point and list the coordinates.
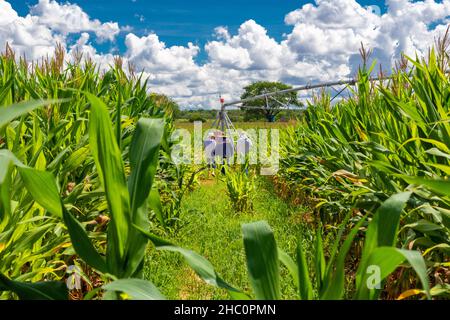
(250, 49)
(47, 24)
(7, 13)
(322, 45)
(26, 37)
(70, 18)
(335, 29)
(151, 54)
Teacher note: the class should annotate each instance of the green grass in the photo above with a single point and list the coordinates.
(211, 228)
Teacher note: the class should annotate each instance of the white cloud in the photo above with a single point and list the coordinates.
(47, 24)
(7, 13)
(152, 55)
(334, 30)
(250, 49)
(24, 34)
(322, 45)
(70, 18)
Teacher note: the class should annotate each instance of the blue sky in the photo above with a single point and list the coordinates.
(178, 22)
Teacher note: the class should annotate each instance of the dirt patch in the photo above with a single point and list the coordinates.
(193, 288)
(208, 182)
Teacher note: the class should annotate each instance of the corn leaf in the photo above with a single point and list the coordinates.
(304, 281)
(154, 203)
(144, 155)
(319, 262)
(108, 160)
(48, 290)
(42, 186)
(262, 260)
(382, 230)
(81, 243)
(335, 280)
(386, 260)
(5, 192)
(439, 186)
(11, 112)
(136, 289)
(290, 264)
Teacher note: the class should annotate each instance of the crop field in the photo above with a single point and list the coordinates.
(238, 125)
(93, 205)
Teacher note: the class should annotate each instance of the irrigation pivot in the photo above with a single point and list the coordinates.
(223, 122)
(350, 82)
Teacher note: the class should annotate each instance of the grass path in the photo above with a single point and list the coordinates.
(211, 228)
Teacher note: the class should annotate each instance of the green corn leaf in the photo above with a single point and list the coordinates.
(144, 155)
(440, 145)
(337, 242)
(442, 246)
(6, 89)
(108, 160)
(137, 289)
(5, 192)
(382, 230)
(40, 184)
(43, 188)
(55, 164)
(438, 153)
(199, 264)
(76, 159)
(81, 243)
(48, 290)
(423, 226)
(154, 203)
(417, 262)
(439, 186)
(262, 260)
(319, 262)
(290, 264)
(304, 281)
(32, 236)
(335, 280)
(16, 110)
(382, 262)
(444, 168)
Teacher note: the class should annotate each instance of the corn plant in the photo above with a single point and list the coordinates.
(76, 188)
(127, 203)
(263, 259)
(364, 149)
(56, 138)
(379, 251)
(241, 190)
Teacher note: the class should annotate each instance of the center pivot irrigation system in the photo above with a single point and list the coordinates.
(223, 122)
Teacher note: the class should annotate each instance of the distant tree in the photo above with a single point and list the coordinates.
(198, 114)
(169, 106)
(271, 107)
